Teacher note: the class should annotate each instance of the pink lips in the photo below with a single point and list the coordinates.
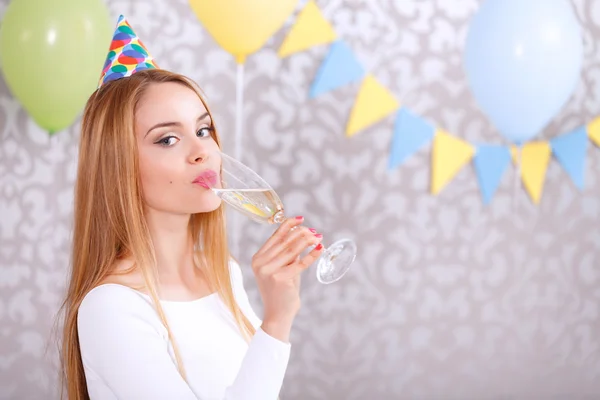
(207, 179)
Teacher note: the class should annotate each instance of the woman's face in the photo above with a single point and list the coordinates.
(176, 146)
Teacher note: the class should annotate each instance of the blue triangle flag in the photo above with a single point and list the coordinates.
(490, 163)
(570, 150)
(339, 68)
(410, 134)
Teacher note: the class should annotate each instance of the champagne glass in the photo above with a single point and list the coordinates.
(245, 191)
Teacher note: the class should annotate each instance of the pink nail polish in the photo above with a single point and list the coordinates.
(318, 236)
(299, 218)
(319, 246)
(312, 230)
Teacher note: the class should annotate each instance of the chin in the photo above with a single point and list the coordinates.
(207, 205)
(190, 205)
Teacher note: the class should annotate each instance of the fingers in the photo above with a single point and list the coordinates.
(279, 258)
(287, 252)
(296, 268)
(280, 234)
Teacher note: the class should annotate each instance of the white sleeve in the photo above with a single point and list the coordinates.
(263, 369)
(124, 348)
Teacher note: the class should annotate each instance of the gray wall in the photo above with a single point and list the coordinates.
(448, 299)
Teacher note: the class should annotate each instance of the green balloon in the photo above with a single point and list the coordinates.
(52, 56)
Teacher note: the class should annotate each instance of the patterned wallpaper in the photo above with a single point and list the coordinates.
(448, 298)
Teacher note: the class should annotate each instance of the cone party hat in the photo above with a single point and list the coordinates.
(127, 54)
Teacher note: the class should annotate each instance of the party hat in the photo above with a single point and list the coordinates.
(127, 54)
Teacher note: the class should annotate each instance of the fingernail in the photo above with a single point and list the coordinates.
(312, 230)
(319, 246)
(299, 218)
(318, 236)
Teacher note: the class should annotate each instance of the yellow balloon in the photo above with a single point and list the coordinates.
(242, 27)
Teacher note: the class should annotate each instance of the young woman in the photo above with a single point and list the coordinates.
(156, 307)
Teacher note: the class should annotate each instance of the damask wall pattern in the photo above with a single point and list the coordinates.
(448, 298)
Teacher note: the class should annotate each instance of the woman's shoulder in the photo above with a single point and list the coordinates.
(113, 293)
(116, 296)
(115, 299)
(112, 309)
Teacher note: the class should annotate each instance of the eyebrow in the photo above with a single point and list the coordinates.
(168, 124)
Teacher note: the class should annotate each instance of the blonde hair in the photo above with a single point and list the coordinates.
(109, 222)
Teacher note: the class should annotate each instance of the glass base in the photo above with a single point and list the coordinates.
(335, 261)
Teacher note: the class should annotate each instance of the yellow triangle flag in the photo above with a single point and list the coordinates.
(311, 29)
(593, 130)
(449, 155)
(535, 157)
(373, 103)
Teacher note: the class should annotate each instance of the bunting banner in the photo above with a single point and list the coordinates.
(450, 154)
(570, 150)
(411, 132)
(535, 157)
(339, 68)
(490, 163)
(311, 29)
(593, 130)
(373, 103)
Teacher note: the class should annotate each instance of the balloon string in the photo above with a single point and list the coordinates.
(239, 111)
(236, 223)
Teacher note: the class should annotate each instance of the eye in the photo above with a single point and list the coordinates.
(167, 141)
(205, 131)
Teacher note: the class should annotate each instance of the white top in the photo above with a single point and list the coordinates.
(126, 353)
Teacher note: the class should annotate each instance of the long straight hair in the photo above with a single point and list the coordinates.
(109, 220)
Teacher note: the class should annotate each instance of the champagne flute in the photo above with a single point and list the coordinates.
(245, 191)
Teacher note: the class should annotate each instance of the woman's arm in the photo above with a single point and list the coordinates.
(125, 353)
(271, 358)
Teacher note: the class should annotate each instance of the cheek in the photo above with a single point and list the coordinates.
(157, 174)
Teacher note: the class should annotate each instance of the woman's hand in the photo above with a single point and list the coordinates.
(277, 266)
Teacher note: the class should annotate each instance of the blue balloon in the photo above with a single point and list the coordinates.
(523, 61)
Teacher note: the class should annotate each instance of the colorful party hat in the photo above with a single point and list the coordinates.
(127, 54)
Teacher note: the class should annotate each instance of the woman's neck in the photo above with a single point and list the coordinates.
(173, 244)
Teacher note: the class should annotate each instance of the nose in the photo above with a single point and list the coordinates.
(198, 153)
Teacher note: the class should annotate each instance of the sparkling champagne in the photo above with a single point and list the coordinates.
(260, 205)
